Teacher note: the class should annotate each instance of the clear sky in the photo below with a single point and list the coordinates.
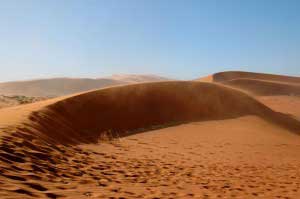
(175, 38)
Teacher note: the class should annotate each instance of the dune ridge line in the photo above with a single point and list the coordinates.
(123, 110)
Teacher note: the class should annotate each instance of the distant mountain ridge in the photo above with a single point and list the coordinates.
(63, 86)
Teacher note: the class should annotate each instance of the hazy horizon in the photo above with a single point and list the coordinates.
(86, 77)
(174, 39)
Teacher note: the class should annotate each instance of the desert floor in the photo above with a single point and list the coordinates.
(236, 158)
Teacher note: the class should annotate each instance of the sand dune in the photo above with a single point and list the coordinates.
(231, 75)
(259, 84)
(65, 86)
(284, 104)
(220, 142)
(127, 109)
(264, 88)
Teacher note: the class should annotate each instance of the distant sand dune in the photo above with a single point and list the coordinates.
(64, 86)
(231, 75)
(259, 84)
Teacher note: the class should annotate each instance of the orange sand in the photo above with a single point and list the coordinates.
(211, 141)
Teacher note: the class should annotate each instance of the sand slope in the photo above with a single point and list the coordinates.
(231, 75)
(235, 158)
(236, 141)
(258, 84)
(284, 104)
(245, 157)
(264, 88)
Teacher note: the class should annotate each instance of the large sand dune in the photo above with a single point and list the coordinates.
(125, 109)
(226, 144)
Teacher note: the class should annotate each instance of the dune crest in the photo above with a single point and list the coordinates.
(122, 110)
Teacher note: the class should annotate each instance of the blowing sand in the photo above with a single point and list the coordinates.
(211, 141)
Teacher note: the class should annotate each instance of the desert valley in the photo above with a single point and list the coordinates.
(228, 135)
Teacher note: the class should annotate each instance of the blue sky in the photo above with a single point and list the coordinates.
(180, 39)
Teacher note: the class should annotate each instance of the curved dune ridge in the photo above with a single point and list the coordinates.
(120, 111)
(259, 84)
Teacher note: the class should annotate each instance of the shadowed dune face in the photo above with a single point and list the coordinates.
(120, 111)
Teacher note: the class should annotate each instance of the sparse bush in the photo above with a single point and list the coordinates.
(109, 135)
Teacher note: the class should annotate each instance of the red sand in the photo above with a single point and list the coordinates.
(226, 144)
